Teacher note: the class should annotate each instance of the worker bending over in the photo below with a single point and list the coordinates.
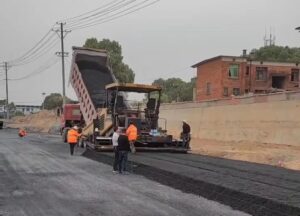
(22, 132)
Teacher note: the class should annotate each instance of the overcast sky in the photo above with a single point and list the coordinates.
(160, 41)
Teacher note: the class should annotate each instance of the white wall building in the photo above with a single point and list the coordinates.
(28, 109)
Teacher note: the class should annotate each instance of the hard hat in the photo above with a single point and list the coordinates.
(184, 121)
(75, 127)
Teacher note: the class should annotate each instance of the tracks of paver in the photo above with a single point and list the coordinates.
(254, 188)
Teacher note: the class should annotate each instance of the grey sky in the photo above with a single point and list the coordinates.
(163, 40)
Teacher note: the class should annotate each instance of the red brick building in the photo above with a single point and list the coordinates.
(223, 76)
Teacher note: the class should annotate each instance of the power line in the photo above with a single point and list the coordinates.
(51, 62)
(111, 9)
(116, 15)
(86, 13)
(35, 56)
(84, 20)
(39, 45)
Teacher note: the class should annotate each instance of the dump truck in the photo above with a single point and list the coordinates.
(104, 105)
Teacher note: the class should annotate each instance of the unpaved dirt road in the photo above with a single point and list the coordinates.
(39, 177)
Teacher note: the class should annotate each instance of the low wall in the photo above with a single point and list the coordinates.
(262, 118)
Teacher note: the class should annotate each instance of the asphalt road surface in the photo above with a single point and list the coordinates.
(38, 177)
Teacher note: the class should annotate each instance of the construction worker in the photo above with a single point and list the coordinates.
(114, 140)
(72, 138)
(123, 149)
(131, 132)
(186, 134)
(22, 132)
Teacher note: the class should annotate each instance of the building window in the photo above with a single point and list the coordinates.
(225, 92)
(233, 71)
(247, 70)
(208, 88)
(246, 91)
(256, 91)
(295, 75)
(236, 91)
(261, 73)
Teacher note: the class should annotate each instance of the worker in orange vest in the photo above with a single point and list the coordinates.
(22, 132)
(72, 138)
(131, 132)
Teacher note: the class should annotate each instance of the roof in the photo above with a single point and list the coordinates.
(132, 87)
(213, 59)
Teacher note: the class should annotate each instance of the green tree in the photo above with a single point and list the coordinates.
(11, 105)
(276, 53)
(121, 70)
(175, 89)
(55, 100)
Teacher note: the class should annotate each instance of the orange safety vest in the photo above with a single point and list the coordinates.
(131, 132)
(22, 133)
(72, 136)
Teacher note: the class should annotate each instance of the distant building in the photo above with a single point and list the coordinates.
(28, 109)
(2, 111)
(223, 76)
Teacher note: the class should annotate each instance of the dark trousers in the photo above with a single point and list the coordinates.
(72, 146)
(123, 157)
(186, 138)
(116, 159)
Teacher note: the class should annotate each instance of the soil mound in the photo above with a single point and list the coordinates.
(44, 121)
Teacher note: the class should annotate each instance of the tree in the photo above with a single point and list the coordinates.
(276, 53)
(2, 102)
(175, 89)
(55, 100)
(11, 105)
(121, 70)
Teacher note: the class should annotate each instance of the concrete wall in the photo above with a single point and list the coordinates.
(261, 118)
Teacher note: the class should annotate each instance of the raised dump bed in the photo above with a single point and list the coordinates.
(90, 73)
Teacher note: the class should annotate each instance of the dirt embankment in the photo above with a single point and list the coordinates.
(44, 121)
(286, 156)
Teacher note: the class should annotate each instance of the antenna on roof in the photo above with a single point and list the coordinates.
(271, 40)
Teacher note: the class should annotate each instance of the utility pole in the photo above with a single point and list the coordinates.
(63, 60)
(62, 35)
(6, 81)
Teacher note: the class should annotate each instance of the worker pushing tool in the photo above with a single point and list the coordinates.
(72, 138)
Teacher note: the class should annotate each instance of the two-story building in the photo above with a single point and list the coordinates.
(223, 76)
